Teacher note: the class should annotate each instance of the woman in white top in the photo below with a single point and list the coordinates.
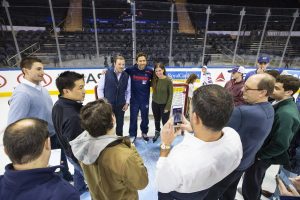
(190, 81)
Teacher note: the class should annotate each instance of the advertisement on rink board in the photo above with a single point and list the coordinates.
(9, 79)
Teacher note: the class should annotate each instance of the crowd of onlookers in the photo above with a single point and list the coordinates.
(240, 129)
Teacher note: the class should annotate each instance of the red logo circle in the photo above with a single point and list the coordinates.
(47, 79)
(2, 81)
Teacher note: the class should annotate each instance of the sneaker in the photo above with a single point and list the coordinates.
(157, 134)
(132, 139)
(145, 137)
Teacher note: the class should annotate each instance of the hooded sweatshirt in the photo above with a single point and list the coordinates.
(111, 165)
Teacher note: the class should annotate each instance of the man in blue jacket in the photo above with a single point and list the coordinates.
(114, 85)
(253, 123)
(141, 76)
(28, 176)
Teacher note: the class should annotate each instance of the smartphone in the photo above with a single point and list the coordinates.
(177, 115)
(286, 181)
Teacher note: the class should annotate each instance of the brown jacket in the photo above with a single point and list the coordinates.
(117, 174)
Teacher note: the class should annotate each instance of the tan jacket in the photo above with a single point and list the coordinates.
(117, 173)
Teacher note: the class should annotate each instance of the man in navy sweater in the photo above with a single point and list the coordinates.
(28, 176)
(253, 122)
(141, 76)
(31, 99)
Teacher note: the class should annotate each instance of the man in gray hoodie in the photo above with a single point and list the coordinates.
(112, 167)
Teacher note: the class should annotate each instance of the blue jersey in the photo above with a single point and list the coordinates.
(140, 84)
(250, 74)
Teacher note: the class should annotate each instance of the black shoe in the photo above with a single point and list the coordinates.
(157, 134)
(266, 193)
(145, 137)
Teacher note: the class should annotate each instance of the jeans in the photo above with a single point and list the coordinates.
(79, 182)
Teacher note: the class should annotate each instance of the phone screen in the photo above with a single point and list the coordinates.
(177, 115)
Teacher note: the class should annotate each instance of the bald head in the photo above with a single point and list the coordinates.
(265, 82)
(24, 140)
(258, 87)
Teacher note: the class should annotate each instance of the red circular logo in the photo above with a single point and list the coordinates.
(47, 79)
(2, 81)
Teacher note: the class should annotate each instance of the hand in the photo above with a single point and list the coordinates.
(103, 72)
(186, 125)
(166, 111)
(284, 190)
(125, 107)
(167, 133)
(260, 71)
(296, 182)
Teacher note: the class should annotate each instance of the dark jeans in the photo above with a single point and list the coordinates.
(79, 183)
(63, 159)
(253, 179)
(226, 188)
(159, 114)
(134, 111)
(119, 114)
(182, 196)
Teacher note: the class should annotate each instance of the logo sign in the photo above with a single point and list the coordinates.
(47, 80)
(220, 78)
(2, 81)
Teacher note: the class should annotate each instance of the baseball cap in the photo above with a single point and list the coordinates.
(204, 66)
(265, 59)
(239, 69)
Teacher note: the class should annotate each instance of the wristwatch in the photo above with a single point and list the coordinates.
(165, 146)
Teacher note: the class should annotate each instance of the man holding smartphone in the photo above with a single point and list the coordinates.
(186, 171)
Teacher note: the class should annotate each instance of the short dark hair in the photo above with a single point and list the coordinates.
(267, 83)
(24, 139)
(141, 54)
(66, 80)
(96, 117)
(213, 104)
(289, 82)
(27, 62)
(273, 72)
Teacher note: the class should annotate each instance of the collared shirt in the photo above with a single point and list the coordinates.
(101, 85)
(195, 165)
(31, 84)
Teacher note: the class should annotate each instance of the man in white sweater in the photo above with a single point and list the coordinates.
(207, 154)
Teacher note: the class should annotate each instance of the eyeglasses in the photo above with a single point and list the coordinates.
(247, 88)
